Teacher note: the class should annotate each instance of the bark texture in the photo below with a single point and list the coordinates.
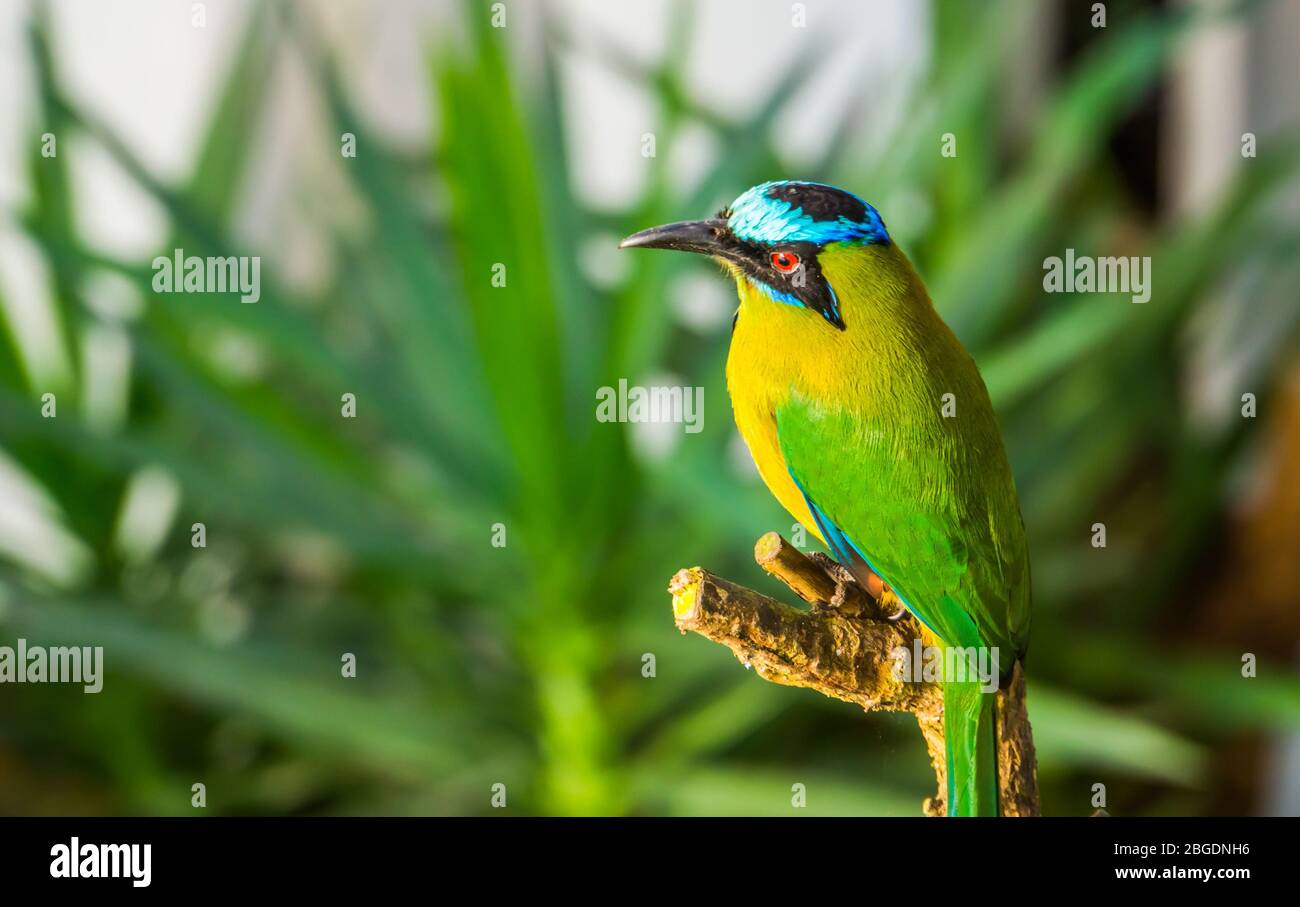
(847, 646)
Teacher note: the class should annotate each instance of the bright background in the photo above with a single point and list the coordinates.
(522, 665)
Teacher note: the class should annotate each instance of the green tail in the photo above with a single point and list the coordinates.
(970, 743)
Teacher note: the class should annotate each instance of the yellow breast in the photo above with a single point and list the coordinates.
(779, 349)
(761, 374)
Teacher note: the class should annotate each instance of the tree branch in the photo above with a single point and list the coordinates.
(847, 647)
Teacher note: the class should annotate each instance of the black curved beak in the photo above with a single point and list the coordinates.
(706, 237)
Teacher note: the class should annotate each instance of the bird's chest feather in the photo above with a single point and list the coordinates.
(891, 433)
(787, 355)
(873, 386)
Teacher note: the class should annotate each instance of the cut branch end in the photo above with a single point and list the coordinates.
(848, 647)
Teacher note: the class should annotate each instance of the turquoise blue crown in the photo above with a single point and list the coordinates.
(792, 211)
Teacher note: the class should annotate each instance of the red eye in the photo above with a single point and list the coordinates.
(785, 262)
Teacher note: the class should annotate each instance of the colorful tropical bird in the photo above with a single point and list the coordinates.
(870, 423)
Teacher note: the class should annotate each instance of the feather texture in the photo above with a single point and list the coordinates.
(882, 441)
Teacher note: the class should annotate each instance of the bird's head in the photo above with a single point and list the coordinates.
(772, 237)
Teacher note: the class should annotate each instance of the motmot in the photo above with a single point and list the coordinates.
(869, 422)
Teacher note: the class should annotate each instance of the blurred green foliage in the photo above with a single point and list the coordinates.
(523, 664)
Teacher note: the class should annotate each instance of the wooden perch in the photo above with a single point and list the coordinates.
(847, 647)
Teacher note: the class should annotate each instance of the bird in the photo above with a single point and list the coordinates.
(870, 423)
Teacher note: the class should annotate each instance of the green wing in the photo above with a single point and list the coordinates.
(933, 513)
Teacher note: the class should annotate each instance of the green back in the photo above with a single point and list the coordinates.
(928, 500)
